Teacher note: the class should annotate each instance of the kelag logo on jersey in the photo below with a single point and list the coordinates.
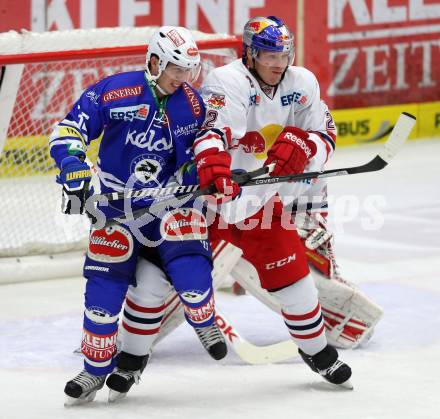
(128, 113)
(296, 97)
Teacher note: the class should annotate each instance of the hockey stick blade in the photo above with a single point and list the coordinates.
(253, 354)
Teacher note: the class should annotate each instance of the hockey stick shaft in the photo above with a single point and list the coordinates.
(397, 137)
(240, 178)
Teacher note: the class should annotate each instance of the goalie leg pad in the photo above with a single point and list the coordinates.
(350, 316)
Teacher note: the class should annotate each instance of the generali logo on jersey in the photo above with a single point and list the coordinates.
(193, 100)
(121, 93)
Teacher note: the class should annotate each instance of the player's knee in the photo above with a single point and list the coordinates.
(191, 277)
(301, 296)
(190, 272)
(152, 285)
(105, 295)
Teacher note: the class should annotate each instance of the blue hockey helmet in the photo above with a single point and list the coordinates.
(269, 34)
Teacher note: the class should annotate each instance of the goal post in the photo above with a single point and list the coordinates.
(42, 74)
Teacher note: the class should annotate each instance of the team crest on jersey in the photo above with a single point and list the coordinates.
(146, 168)
(110, 245)
(216, 101)
(184, 224)
(93, 96)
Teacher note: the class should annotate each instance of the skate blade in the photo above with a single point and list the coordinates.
(72, 401)
(347, 385)
(114, 396)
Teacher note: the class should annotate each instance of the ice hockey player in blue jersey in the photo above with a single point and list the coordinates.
(148, 121)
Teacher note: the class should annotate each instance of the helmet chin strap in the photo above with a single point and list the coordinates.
(152, 80)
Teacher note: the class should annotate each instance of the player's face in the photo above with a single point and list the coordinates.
(270, 65)
(172, 78)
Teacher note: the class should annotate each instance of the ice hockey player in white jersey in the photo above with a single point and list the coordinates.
(262, 110)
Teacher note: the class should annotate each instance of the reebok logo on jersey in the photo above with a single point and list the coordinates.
(122, 93)
(292, 137)
(281, 262)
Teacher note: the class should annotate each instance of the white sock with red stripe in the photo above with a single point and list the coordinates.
(144, 309)
(302, 314)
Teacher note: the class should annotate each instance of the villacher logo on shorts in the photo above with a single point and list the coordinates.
(110, 245)
(184, 224)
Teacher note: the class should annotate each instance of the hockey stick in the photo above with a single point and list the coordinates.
(253, 354)
(172, 191)
(398, 136)
(164, 198)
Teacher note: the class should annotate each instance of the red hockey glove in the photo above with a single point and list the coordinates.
(291, 152)
(214, 167)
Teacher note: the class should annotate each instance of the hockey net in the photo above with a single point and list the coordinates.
(41, 77)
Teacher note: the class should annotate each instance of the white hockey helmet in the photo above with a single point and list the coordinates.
(174, 44)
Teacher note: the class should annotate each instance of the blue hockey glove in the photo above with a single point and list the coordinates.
(75, 177)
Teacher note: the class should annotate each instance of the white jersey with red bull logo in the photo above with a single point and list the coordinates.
(247, 120)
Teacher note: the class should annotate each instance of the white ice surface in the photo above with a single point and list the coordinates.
(395, 377)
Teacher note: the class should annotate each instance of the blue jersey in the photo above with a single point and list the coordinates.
(143, 142)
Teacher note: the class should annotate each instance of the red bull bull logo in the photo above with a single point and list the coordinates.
(216, 101)
(253, 142)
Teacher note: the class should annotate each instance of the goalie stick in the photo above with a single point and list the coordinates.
(397, 137)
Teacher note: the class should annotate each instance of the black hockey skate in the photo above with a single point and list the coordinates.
(83, 388)
(326, 363)
(128, 372)
(213, 341)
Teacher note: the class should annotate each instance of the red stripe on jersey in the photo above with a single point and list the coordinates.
(310, 335)
(306, 316)
(210, 136)
(137, 331)
(144, 309)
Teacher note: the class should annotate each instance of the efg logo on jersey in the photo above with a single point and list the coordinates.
(128, 113)
(254, 100)
(295, 97)
(147, 140)
(186, 129)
